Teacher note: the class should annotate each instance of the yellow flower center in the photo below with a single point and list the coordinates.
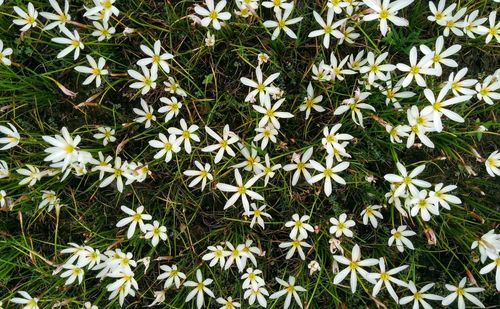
(69, 148)
(414, 70)
(436, 105)
(436, 58)
(213, 14)
(384, 13)
(353, 265)
(397, 235)
(261, 87)
(327, 172)
(242, 190)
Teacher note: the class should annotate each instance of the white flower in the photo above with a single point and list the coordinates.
(107, 135)
(96, 70)
(493, 31)
(268, 171)
(72, 273)
(168, 146)
(419, 296)
(354, 266)
(277, 4)
(386, 278)
(252, 279)
(216, 255)
(393, 92)
(240, 191)
(185, 134)
(257, 214)
(202, 174)
(4, 169)
(311, 102)
(336, 68)
(155, 232)
(135, 217)
(375, 68)
(400, 237)
(172, 276)
(442, 197)
(439, 56)
(487, 90)
(3, 195)
(437, 107)
(252, 160)
(371, 213)
(146, 80)
(489, 267)
(341, 226)
(420, 123)
(256, 293)
(331, 140)
(289, 289)
(460, 86)
(32, 174)
(156, 58)
(173, 86)
(355, 105)
(424, 204)
(145, 114)
(64, 148)
(12, 139)
(103, 31)
(313, 267)
(472, 24)
(358, 61)
(58, 19)
(88, 305)
(271, 114)
(395, 133)
(416, 69)
(103, 8)
(321, 72)
(210, 39)
(265, 134)
(48, 198)
(263, 88)
(346, 34)
(295, 245)
(386, 11)
(328, 173)
(493, 164)
(171, 107)
(488, 244)
(440, 13)
(212, 13)
(72, 40)
(228, 303)
(237, 255)
(200, 288)
(452, 23)
(124, 285)
(223, 143)
(460, 292)
(27, 301)
(327, 26)
(299, 226)
(4, 53)
(27, 19)
(300, 165)
(282, 22)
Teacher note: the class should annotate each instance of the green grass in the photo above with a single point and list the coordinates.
(31, 239)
